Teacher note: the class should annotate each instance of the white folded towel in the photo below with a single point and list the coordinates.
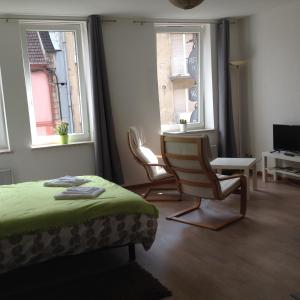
(81, 190)
(66, 181)
(84, 192)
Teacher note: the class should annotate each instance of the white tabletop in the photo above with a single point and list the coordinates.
(232, 163)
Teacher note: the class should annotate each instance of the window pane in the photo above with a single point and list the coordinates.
(178, 77)
(55, 81)
(3, 132)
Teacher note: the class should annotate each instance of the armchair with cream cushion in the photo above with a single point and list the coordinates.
(188, 159)
(156, 172)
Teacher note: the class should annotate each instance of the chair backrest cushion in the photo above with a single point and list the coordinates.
(144, 154)
(188, 159)
(135, 137)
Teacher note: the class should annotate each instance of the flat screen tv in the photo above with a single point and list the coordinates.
(286, 137)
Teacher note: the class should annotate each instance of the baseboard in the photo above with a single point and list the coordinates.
(147, 184)
(259, 173)
(279, 178)
(140, 185)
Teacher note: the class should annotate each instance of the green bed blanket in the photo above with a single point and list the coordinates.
(30, 207)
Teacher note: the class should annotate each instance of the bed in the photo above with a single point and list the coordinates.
(34, 227)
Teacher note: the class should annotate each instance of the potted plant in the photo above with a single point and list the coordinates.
(62, 129)
(182, 125)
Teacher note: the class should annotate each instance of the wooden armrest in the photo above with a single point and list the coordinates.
(156, 165)
(230, 177)
(158, 156)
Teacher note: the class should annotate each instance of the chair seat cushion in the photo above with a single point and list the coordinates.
(227, 186)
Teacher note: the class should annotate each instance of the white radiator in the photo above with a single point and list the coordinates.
(6, 176)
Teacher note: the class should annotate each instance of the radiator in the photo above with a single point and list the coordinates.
(6, 176)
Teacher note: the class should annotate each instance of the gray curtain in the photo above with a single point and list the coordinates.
(108, 163)
(227, 142)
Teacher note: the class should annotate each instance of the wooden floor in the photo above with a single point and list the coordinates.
(256, 258)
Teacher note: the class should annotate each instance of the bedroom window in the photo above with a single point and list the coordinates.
(180, 77)
(54, 61)
(4, 142)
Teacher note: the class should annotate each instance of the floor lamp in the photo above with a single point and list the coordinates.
(236, 64)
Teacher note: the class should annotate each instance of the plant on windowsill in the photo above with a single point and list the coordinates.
(182, 125)
(62, 130)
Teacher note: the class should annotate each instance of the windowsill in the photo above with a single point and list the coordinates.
(191, 131)
(4, 151)
(34, 147)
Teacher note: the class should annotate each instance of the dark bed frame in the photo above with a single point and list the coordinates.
(131, 250)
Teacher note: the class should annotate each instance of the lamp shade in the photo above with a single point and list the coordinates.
(186, 4)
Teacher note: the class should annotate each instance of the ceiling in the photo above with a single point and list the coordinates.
(209, 9)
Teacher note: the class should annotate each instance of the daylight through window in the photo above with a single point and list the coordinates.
(54, 84)
(4, 144)
(179, 78)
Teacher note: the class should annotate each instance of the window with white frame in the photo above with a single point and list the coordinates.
(54, 60)
(4, 142)
(180, 76)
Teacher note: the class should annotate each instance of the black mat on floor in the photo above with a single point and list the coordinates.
(128, 282)
(296, 296)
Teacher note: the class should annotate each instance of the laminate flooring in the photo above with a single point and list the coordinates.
(257, 258)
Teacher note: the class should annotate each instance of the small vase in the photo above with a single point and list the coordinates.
(64, 139)
(183, 127)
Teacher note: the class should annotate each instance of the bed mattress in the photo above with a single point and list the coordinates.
(34, 227)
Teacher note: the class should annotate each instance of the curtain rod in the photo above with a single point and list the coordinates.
(232, 20)
(174, 22)
(112, 20)
(36, 18)
(49, 18)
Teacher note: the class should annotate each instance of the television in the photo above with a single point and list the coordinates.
(286, 137)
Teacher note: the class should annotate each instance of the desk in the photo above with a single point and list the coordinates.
(245, 164)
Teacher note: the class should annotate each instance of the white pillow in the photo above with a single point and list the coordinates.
(135, 136)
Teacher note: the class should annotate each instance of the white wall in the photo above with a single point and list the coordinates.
(131, 62)
(28, 164)
(272, 94)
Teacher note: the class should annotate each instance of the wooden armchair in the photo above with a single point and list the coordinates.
(187, 159)
(156, 172)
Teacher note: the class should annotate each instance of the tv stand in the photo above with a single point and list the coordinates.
(289, 154)
(293, 171)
